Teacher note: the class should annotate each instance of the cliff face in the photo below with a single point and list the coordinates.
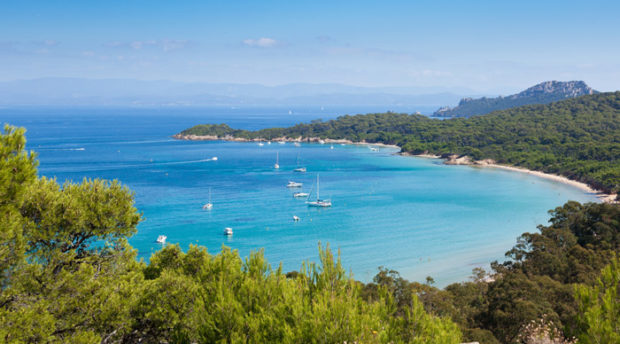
(543, 93)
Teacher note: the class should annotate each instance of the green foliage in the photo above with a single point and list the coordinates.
(17, 171)
(577, 138)
(599, 307)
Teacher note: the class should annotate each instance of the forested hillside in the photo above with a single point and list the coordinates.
(578, 138)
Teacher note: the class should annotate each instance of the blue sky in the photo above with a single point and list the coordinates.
(486, 46)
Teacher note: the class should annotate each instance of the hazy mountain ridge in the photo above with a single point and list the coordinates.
(128, 92)
(543, 93)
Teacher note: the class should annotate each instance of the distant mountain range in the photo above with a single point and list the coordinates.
(543, 93)
(141, 93)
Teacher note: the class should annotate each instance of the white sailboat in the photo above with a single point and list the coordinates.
(277, 165)
(209, 205)
(299, 169)
(322, 203)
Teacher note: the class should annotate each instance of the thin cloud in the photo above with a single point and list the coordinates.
(164, 44)
(262, 42)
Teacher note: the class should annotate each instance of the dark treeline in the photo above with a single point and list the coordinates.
(578, 138)
(69, 276)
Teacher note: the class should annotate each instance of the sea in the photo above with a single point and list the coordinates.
(409, 214)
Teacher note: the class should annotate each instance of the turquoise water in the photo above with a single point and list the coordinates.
(413, 215)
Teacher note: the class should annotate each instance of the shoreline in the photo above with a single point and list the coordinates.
(489, 163)
(278, 139)
(451, 160)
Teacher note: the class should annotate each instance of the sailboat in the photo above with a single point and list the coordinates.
(299, 169)
(277, 165)
(161, 239)
(322, 203)
(209, 205)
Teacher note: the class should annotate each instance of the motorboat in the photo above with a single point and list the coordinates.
(228, 231)
(292, 184)
(161, 239)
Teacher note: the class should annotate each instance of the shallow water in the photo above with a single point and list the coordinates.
(413, 215)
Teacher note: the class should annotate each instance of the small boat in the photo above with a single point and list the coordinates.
(161, 239)
(296, 218)
(268, 142)
(297, 144)
(281, 142)
(214, 158)
(261, 144)
(374, 149)
(209, 205)
(228, 231)
(331, 147)
(321, 203)
(301, 194)
(277, 165)
(292, 184)
(322, 142)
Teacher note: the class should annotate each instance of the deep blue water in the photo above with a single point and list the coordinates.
(413, 215)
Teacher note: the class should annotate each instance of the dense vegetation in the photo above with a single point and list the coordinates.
(69, 276)
(544, 93)
(578, 138)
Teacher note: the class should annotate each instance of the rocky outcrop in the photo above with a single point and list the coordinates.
(543, 93)
(458, 160)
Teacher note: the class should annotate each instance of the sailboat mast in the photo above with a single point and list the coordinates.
(317, 188)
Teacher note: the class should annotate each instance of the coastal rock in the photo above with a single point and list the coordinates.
(458, 160)
(484, 162)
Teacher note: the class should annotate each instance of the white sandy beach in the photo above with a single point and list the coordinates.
(603, 197)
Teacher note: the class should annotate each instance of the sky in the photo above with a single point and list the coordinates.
(486, 46)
